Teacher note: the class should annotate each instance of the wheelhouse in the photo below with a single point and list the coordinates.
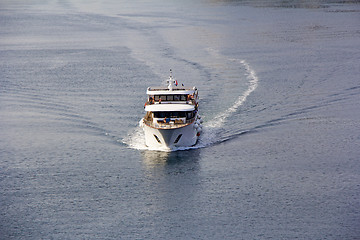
(170, 98)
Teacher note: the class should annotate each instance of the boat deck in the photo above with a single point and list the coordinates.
(172, 124)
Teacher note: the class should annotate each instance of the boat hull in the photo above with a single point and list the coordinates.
(169, 138)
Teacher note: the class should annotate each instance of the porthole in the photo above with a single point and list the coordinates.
(178, 138)
(157, 139)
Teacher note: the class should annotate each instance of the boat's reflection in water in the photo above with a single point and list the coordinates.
(155, 159)
(172, 183)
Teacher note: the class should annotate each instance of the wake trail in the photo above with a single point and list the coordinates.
(219, 120)
(211, 129)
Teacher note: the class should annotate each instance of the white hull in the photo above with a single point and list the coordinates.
(169, 138)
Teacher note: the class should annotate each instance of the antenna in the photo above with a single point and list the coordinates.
(170, 81)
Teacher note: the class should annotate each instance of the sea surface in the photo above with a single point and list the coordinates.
(279, 85)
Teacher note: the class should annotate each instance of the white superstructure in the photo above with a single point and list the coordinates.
(171, 118)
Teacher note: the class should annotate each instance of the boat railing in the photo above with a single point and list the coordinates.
(172, 123)
(191, 102)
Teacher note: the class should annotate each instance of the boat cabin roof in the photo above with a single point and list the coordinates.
(166, 91)
(169, 108)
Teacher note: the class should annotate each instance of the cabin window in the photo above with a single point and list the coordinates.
(174, 115)
(189, 115)
(171, 114)
(159, 114)
(181, 114)
(170, 97)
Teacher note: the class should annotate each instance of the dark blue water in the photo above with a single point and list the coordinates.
(279, 94)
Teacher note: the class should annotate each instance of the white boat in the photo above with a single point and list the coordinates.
(171, 119)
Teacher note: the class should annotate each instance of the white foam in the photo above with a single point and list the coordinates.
(219, 120)
(136, 139)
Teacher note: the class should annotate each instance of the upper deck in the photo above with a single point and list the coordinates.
(172, 106)
(177, 99)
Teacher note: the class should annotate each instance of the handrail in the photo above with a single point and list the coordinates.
(191, 102)
(170, 125)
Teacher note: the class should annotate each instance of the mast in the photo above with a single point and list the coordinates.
(170, 81)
